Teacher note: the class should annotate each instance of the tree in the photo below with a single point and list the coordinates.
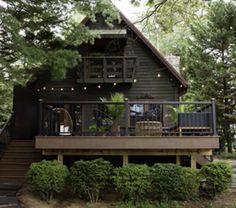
(167, 23)
(38, 35)
(43, 35)
(211, 64)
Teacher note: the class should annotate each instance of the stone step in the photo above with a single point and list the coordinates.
(9, 202)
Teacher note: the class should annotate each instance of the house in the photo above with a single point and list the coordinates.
(67, 118)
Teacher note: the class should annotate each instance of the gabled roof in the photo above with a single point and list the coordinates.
(152, 48)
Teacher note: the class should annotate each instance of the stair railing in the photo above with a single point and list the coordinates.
(5, 136)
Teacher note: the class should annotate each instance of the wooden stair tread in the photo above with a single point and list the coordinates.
(16, 160)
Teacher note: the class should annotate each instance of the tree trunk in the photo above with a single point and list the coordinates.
(227, 136)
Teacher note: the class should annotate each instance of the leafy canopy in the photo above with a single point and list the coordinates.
(211, 63)
(42, 35)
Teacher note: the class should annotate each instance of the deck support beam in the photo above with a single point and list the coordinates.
(178, 160)
(194, 160)
(60, 158)
(125, 160)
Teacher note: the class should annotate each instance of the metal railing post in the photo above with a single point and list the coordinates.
(126, 117)
(40, 117)
(214, 116)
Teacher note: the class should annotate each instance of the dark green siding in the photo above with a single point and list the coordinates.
(165, 87)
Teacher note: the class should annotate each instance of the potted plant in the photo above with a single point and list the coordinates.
(114, 112)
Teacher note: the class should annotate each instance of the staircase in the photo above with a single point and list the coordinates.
(15, 161)
(202, 160)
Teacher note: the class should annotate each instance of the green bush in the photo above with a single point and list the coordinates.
(216, 177)
(228, 155)
(47, 178)
(170, 181)
(89, 178)
(191, 183)
(132, 181)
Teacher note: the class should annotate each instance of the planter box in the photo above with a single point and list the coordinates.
(195, 119)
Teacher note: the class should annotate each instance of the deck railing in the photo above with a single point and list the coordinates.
(128, 118)
(107, 69)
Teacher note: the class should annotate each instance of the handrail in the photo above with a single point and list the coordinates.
(97, 57)
(130, 102)
(199, 116)
(5, 135)
(5, 125)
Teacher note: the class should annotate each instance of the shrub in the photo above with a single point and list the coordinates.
(191, 183)
(170, 181)
(228, 155)
(132, 181)
(217, 177)
(47, 178)
(89, 178)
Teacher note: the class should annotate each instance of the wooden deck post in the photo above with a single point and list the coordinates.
(60, 158)
(178, 160)
(127, 114)
(125, 160)
(40, 116)
(194, 160)
(214, 116)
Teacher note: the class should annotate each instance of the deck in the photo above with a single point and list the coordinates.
(127, 142)
(137, 128)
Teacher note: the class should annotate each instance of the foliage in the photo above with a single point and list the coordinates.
(191, 183)
(89, 178)
(170, 181)
(5, 102)
(227, 155)
(211, 59)
(47, 178)
(36, 36)
(114, 111)
(133, 181)
(166, 23)
(217, 177)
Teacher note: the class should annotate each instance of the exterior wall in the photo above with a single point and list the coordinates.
(163, 88)
(25, 108)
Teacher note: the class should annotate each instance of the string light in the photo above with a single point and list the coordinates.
(52, 88)
(44, 88)
(114, 84)
(135, 80)
(99, 86)
(61, 89)
(38, 90)
(158, 75)
(72, 89)
(181, 85)
(85, 88)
